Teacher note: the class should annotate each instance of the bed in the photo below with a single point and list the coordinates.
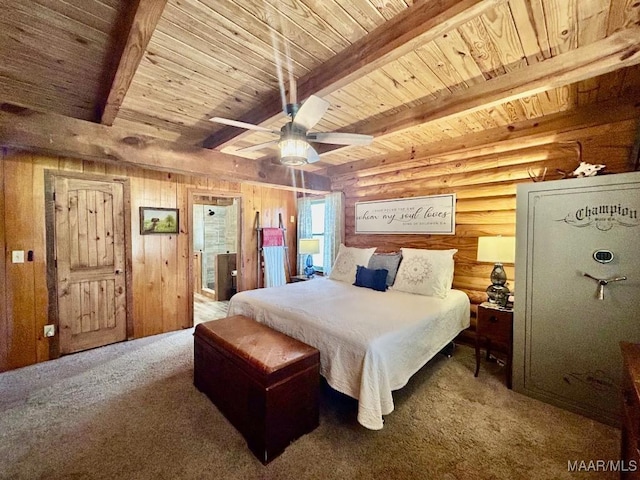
(370, 342)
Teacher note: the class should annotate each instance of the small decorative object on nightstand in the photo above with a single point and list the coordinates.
(494, 325)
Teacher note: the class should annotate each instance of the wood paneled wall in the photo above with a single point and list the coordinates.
(160, 263)
(270, 203)
(484, 181)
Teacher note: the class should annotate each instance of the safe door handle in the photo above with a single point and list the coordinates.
(616, 279)
(602, 282)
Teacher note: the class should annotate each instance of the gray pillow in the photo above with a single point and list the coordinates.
(388, 261)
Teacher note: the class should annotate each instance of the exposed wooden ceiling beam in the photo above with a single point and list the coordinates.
(417, 25)
(559, 127)
(22, 128)
(142, 20)
(617, 51)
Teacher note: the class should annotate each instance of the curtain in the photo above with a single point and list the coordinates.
(333, 228)
(304, 227)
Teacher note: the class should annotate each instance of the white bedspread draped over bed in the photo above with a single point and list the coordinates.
(370, 342)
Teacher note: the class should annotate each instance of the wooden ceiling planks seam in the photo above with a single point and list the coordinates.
(247, 30)
(48, 36)
(100, 16)
(553, 128)
(513, 116)
(208, 58)
(616, 51)
(359, 61)
(218, 48)
(560, 94)
(202, 44)
(170, 63)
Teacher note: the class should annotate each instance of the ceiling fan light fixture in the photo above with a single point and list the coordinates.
(293, 161)
(293, 149)
(290, 156)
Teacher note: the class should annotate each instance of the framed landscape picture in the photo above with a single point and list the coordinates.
(159, 220)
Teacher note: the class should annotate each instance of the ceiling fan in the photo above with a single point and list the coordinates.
(294, 137)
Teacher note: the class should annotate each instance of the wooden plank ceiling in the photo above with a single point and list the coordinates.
(409, 72)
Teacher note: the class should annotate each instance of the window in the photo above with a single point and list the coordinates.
(317, 231)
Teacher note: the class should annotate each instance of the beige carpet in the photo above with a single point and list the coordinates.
(130, 411)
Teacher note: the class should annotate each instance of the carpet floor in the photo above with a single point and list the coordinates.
(130, 411)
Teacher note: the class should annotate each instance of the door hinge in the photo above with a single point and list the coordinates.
(54, 196)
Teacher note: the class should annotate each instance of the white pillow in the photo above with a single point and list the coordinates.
(347, 261)
(425, 272)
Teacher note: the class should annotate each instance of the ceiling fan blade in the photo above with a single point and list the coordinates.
(248, 126)
(310, 112)
(340, 138)
(312, 155)
(293, 89)
(259, 146)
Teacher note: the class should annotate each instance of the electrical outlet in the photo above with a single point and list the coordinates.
(49, 330)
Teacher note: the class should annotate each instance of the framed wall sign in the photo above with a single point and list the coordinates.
(433, 215)
(159, 220)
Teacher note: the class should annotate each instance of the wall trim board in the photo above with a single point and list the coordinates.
(4, 314)
(49, 218)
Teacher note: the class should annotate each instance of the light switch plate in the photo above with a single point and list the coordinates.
(17, 256)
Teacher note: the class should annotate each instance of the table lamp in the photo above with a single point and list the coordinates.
(309, 247)
(498, 250)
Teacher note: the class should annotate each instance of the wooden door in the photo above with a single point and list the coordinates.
(90, 259)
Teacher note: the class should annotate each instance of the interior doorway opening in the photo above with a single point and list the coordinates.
(215, 253)
(215, 246)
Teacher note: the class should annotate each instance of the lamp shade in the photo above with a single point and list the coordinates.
(309, 246)
(497, 249)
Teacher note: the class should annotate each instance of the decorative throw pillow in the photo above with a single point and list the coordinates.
(344, 266)
(388, 261)
(425, 272)
(374, 279)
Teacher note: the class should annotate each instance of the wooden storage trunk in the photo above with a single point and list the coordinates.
(264, 382)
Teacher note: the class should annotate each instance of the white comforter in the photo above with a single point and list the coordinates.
(370, 342)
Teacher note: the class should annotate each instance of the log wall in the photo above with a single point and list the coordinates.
(160, 263)
(484, 181)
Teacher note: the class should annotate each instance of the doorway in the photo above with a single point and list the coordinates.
(215, 253)
(87, 247)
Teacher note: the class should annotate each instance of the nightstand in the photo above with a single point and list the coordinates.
(494, 325)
